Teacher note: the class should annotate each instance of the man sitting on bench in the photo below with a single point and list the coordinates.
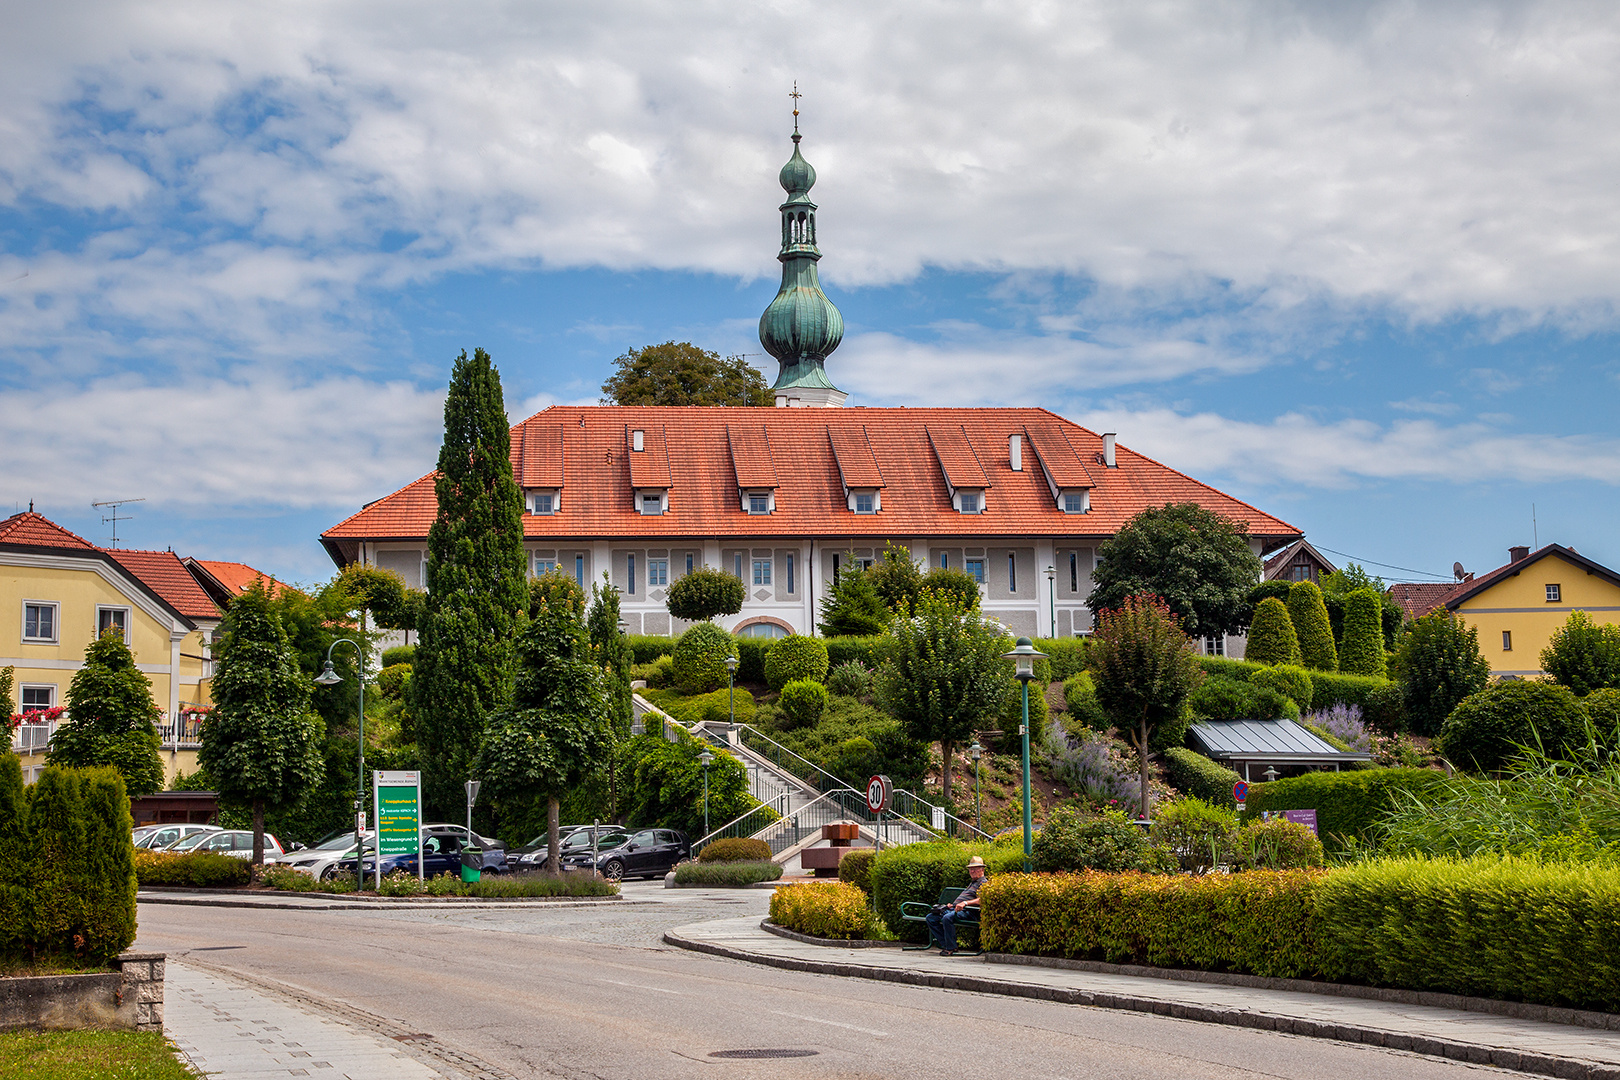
(942, 920)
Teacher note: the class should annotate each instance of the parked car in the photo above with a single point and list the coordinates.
(441, 854)
(645, 853)
(486, 843)
(154, 837)
(316, 860)
(237, 843)
(576, 842)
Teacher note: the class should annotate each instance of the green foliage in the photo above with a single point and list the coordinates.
(1583, 655)
(1310, 618)
(735, 849)
(850, 679)
(1197, 561)
(825, 909)
(16, 860)
(1012, 712)
(1384, 708)
(918, 871)
(106, 868)
(716, 705)
(870, 650)
(659, 674)
(645, 648)
(1293, 683)
(751, 653)
(946, 678)
(67, 871)
(7, 681)
(793, 658)
(1330, 688)
(705, 593)
(392, 680)
(700, 658)
(1486, 730)
(1277, 844)
(852, 607)
(1067, 657)
(1198, 835)
(667, 790)
(110, 718)
(191, 869)
(1512, 928)
(1080, 698)
(1194, 774)
(898, 580)
(477, 580)
(1261, 923)
(803, 702)
(399, 654)
(680, 373)
(1107, 841)
(1603, 708)
(854, 741)
(402, 883)
(612, 658)
(856, 869)
(1439, 664)
(1349, 805)
(1222, 698)
(961, 586)
(727, 875)
(1363, 650)
(381, 593)
(1271, 635)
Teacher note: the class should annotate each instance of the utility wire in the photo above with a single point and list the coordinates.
(1385, 565)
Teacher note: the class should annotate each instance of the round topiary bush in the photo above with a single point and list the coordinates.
(705, 593)
(1271, 634)
(1487, 729)
(735, 849)
(793, 658)
(803, 702)
(700, 659)
(1293, 683)
(856, 869)
(850, 679)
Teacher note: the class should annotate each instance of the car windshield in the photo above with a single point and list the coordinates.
(581, 840)
(342, 842)
(189, 842)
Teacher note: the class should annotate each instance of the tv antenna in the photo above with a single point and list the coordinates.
(1535, 531)
(114, 517)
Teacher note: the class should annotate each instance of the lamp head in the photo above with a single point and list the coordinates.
(1051, 573)
(975, 750)
(328, 677)
(1023, 656)
(706, 758)
(731, 663)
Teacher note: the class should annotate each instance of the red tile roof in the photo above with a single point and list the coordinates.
(751, 456)
(1463, 592)
(956, 456)
(852, 449)
(234, 578)
(540, 456)
(688, 448)
(166, 575)
(1418, 598)
(1057, 456)
(36, 530)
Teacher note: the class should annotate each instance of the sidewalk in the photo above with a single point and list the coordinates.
(1533, 1046)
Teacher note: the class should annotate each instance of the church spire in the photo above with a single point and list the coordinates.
(801, 326)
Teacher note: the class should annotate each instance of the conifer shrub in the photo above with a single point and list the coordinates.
(735, 849)
(1080, 698)
(802, 702)
(1194, 774)
(793, 658)
(1310, 618)
(106, 869)
(700, 658)
(1363, 650)
(856, 868)
(825, 909)
(1486, 731)
(16, 860)
(1293, 683)
(850, 679)
(1272, 638)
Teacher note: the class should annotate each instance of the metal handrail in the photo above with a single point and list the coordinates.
(697, 845)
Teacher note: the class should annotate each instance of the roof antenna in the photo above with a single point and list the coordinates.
(1535, 532)
(113, 519)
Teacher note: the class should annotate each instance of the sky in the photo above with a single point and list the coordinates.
(1357, 264)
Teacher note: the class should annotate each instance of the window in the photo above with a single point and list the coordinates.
(579, 570)
(762, 630)
(657, 572)
(39, 621)
(36, 698)
(630, 574)
(970, 502)
(110, 618)
(976, 568)
(789, 568)
(1507, 641)
(863, 504)
(1074, 504)
(543, 567)
(1215, 646)
(652, 505)
(1554, 594)
(759, 504)
(1012, 572)
(1299, 572)
(762, 571)
(689, 561)
(944, 560)
(835, 568)
(737, 562)
(1074, 572)
(545, 504)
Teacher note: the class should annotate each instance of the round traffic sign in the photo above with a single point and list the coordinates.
(1240, 790)
(878, 793)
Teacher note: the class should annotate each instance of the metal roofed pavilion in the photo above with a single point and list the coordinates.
(1240, 743)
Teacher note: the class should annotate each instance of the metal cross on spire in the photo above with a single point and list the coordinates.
(795, 96)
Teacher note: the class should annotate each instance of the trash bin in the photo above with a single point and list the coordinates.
(472, 864)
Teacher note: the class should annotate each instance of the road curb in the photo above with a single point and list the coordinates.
(388, 903)
(1567, 1068)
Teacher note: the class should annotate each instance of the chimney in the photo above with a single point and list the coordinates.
(1015, 452)
(636, 439)
(1518, 554)
(1108, 449)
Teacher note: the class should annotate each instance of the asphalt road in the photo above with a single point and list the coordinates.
(594, 993)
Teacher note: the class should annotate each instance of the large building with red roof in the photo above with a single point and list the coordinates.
(785, 498)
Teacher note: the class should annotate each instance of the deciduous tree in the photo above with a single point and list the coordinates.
(111, 718)
(1583, 655)
(680, 373)
(1438, 665)
(1196, 561)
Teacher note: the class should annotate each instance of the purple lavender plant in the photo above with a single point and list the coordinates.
(1093, 764)
(1343, 722)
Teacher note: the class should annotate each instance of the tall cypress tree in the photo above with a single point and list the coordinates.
(477, 584)
(1310, 618)
(613, 657)
(112, 718)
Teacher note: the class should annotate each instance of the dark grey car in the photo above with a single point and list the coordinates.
(643, 853)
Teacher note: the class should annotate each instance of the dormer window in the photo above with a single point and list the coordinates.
(865, 501)
(970, 502)
(1076, 502)
(652, 503)
(759, 502)
(543, 502)
(865, 504)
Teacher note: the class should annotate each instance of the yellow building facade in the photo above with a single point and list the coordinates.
(1518, 607)
(58, 592)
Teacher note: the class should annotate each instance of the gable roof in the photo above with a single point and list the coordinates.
(223, 581)
(29, 529)
(166, 575)
(1418, 598)
(751, 456)
(1063, 466)
(1285, 558)
(1469, 589)
(539, 456)
(813, 453)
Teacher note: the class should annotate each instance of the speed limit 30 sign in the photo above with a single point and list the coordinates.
(879, 792)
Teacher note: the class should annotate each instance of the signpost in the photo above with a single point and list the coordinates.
(399, 816)
(472, 797)
(1302, 817)
(879, 793)
(1240, 793)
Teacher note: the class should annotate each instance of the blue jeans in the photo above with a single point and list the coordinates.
(942, 927)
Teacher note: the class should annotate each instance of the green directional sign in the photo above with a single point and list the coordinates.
(399, 815)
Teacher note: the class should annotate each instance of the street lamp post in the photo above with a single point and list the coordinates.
(1023, 656)
(973, 752)
(1051, 597)
(731, 698)
(329, 677)
(707, 759)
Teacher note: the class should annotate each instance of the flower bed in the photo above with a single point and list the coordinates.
(825, 909)
(727, 874)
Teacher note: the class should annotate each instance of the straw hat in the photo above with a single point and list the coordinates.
(976, 861)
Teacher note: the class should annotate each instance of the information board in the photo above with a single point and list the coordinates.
(399, 815)
(1302, 817)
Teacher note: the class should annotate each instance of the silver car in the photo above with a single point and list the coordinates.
(154, 837)
(237, 843)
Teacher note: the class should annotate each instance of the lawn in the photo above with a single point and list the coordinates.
(89, 1055)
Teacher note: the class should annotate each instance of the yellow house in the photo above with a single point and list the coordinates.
(58, 592)
(1516, 608)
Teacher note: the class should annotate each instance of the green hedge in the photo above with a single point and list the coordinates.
(645, 648)
(795, 658)
(856, 868)
(1194, 774)
(751, 659)
(715, 705)
(919, 871)
(733, 875)
(1347, 804)
(826, 909)
(871, 651)
(1067, 657)
(735, 849)
(1260, 922)
(1330, 688)
(196, 869)
(1232, 669)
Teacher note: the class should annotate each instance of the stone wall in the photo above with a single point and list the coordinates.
(143, 985)
(129, 998)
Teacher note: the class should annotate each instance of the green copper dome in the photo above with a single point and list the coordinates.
(797, 176)
(801, 326)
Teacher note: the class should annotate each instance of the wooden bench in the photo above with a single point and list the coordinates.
(966, 919)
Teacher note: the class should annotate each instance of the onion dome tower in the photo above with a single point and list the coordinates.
(801, 326)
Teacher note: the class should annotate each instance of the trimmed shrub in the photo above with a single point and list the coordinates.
(795, 658)
(1241, 670)
(1293, 683)
(1439, 665)
(1384, 709)
(391, 681)
(850, 679)
(106, 865)
(871, 651)
(1040, 712)
(1194, 774)
(1080, 696)
(919, 871)
(191, 869)
(825, 909)
(56, 829)
(1262, 922)
(1603, 709)
(1348, 805)
(727, 875)
(1363, 651)
(16, 859)
(399, 654)
(1272, 639)
(1222, 698)
(714, 706)
(1278, 844)
(1109, 841)
(1197, 835)
(803, 702)
(1067, 657)
(645, 648)
(1519, 929)
(1330, 688)
(705, 593)
(1486, 730)
(751, 653)
(735, 849)
(856, 868)
(658, 675)
(700, 658)
(1310, 618)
